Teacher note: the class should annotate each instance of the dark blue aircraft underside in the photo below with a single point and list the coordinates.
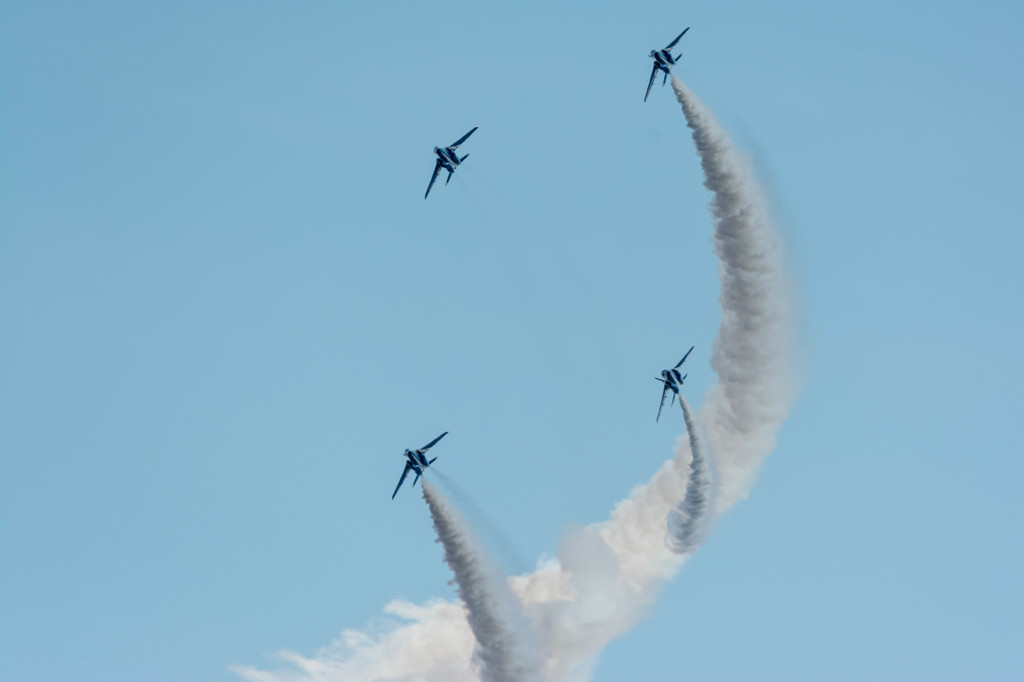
(416, 461)
(664, 60)
(448, 160)
(671, 379)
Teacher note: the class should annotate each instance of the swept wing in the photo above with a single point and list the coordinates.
(434, 442)
(437, 169)
(455, 145)
(654, 72)
(673, 43)
(684, 358)
(664, 392)
(405, 472)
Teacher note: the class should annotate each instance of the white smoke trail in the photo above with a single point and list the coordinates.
(741, 413)
(506, 648)
(752, 355)
(689, 522)
(607, 575)
(510, 559)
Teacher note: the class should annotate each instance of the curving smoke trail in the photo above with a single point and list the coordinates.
(606, 576)
(752, 354)
(741, 414)
(689, 522)
(506, 648)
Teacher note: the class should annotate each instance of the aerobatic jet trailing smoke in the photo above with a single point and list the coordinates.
(672, 379)
(606, 576)
(664, 60)
(448, 160)
(416, 460)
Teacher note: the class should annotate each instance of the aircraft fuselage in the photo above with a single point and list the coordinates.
(449, 159)
(417, 460)
(673, 378)
(664, 59)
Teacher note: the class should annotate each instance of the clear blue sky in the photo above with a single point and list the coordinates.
(225, 309)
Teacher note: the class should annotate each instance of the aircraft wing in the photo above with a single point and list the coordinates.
(455, 145)
(437, 169)
(433, 442)
(654, 72)
(673, 43)
(664, 392)
(684, 358)
(405, 472)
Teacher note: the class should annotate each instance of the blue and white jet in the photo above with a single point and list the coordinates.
(673, 379)
(664, 61)
(416, 460)
(448, 159)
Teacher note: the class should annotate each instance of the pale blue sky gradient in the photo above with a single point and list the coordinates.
(225, 310)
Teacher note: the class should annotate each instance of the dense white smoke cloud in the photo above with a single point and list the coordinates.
(506, 649)
(688, 523)
(606, 576)
(424, 642)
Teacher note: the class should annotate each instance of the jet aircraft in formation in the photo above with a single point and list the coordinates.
(672, 379)
(416, 460)
(448, 159)
(664, 61)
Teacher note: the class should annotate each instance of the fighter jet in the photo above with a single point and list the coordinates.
(416, 460)
(664, 61)
(672, 379)
(448, 159)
